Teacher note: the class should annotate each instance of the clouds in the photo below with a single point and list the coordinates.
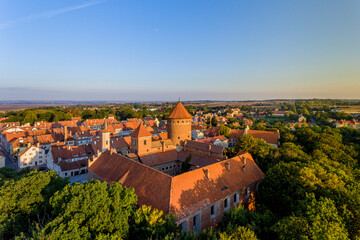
(48, 14)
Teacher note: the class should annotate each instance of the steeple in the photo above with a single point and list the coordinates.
(106, 126)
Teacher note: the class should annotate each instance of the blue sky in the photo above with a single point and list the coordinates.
(162, 50)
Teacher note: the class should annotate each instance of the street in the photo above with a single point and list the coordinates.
(9, 160)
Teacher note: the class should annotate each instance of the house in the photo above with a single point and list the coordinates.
(218, 140)
(301, 118)
(197, 132)
(69, 161)
(212, 132)
(32, 156)
(347, 123)
(121, 144)
(270, 137)
(277, 113)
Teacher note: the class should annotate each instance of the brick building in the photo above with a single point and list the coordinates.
(197, 193)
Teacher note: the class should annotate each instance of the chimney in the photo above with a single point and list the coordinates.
(38, 144)
(244, 160)
(112, 150)
(163, 146)
(207, 173)
(209, 150)
(227, 165)
(29, 145)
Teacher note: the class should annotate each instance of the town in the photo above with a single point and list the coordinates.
(166, 155)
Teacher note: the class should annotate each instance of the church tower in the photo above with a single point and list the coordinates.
(105, 138)
(179, 125)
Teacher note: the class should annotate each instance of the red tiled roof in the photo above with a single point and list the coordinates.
(141, 131)
(192, 190)
(151, 186)
(183, 194)
(179, 111)
(267, 136)
(120, 142)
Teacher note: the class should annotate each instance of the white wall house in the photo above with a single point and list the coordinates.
(32, 156)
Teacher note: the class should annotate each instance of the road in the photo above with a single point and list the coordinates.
(9, 160)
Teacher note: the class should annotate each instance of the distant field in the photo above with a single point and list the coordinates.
(10, 107)
(258, 104)
(350, 109)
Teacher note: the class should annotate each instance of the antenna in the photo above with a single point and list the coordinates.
(179, 99)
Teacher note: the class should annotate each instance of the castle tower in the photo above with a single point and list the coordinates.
(179, 125)
(105, 138)
(141, 140)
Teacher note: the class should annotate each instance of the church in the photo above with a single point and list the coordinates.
(190, 179)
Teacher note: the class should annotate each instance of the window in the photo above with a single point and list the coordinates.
(227, 203)
(213, 211)
(144, 142)
(40, 161)
(247, 192)
(66, 174)
(162, 169)
(40, 156)
(236, 198)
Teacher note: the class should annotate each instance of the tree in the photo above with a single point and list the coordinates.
(315, 219)
(90, 210)
(257, 147)
(214, 121)
(225, 131)
(147, 223)
(24, 201)
(240, 233)
(185, 167)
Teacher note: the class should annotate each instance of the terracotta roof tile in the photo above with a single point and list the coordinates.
(179, 111)
(141, 131)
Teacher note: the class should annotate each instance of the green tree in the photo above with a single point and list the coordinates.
(214, 121)
(24, 202)
(315, 219)
(225, 131)
(147, 223)
(90, 210)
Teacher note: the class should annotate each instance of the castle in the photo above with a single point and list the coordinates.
(190, 179)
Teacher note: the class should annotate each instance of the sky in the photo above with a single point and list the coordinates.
(130, 50)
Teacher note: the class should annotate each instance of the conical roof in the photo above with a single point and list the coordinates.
(141, 131)
(179, 111)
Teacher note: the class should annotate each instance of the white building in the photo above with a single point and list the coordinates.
(32, 156)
